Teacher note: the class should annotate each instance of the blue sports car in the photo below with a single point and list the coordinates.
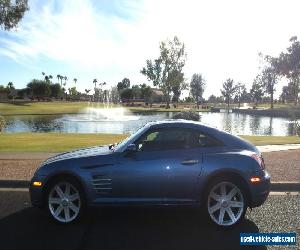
(164, 163)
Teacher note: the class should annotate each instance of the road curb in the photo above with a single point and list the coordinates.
(14, 184)
(275, 186)
(285, 186)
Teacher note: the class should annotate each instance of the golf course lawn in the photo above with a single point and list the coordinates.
(56, 107)
(59, 142)
(40, 108)
(53, 142)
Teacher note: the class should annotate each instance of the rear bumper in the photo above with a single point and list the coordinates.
(259, 191)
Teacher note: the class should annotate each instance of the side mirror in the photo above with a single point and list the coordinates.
(131, 148)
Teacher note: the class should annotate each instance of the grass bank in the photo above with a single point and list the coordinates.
(56, 107)
(53, 142)
(26, 108)
(272, 140)
(56, 142)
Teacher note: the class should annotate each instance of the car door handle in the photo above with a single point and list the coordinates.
(189, 162)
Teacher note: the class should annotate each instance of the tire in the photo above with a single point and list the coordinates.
(225, 202)
(65, 200)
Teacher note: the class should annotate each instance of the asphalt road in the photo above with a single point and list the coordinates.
(24, 227)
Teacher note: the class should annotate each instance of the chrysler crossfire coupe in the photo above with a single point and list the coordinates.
(164, 163)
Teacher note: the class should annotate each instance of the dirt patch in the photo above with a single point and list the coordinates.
(283, 165)
(18, 169)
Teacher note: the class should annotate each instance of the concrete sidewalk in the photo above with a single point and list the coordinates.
(273, 148)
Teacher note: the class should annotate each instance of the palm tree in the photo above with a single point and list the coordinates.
(10, 85)
(75, 80)
(65, 78)
(87, 91)
(61, 79)
(101, 84)
(95, 82)
(58, 78)
(43, 73)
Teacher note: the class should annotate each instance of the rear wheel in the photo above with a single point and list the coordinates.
(65, 201)
(225, 202)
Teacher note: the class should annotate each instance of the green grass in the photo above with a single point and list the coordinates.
(179, 109)
(272, 140)
(42, 108)
(57, 107)
(55, 142)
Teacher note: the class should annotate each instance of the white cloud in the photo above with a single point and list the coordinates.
(223, 38)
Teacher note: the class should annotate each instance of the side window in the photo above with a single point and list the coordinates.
(203, 140)
(164, 139)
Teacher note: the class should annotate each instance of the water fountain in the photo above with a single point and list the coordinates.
(103, 111)
(109, 114)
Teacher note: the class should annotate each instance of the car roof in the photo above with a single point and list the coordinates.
(227, 138)
(178, 122)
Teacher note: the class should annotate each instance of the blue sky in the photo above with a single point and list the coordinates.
(111, 39)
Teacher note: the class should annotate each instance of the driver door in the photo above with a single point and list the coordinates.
(147, 175)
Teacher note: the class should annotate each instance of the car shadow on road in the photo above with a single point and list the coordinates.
(120, 228)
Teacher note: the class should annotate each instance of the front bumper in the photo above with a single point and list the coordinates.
(259, 191)
(37, 193)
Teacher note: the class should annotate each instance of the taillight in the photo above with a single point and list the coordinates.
(259, 160)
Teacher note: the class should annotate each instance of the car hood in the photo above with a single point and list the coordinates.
(80, 153)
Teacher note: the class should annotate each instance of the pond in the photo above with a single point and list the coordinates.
(119, 123)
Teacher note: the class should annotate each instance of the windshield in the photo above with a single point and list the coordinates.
(120, 145)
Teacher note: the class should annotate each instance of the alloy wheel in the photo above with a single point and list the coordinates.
(64, 202)
(225, 204)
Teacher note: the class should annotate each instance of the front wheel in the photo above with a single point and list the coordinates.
(225, 203)
(65, 201)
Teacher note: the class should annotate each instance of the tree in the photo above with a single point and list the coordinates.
(95, 82)
(177, 89)
(256, 91)
(228, 91)
(3, 89)
(58, 78)
(73, 91)
(75, 80)
(87, 91)
(126, 94)
(241, 92)
(197, 86)
(2, 123)
(114, 95)
(146, 93)
(269, 79)
(136, 91)
(287, 94)
(10, 86)
(47, 78)
(66, 79)
(166, 71)
(288, 65)
(212, 99)
(38, 89)
(56, 90)
(11, 13)
(124, 84)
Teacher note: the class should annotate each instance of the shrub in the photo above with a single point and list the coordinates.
(2, 123)
(187, 115)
